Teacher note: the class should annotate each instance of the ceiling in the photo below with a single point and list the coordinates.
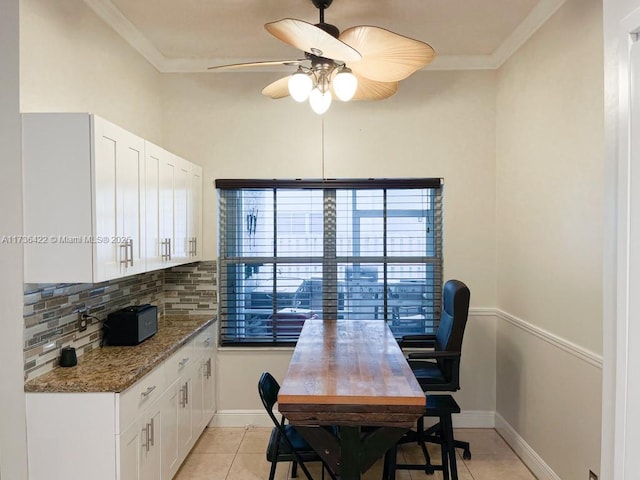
(190, 35)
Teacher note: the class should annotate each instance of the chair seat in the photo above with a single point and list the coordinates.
(428, 373)
(303, 449)
(438, 405)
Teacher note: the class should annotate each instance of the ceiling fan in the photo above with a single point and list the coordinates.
(361, 63)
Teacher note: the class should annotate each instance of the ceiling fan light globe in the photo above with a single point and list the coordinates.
(300, 85)
(345, 85)
(319, 101)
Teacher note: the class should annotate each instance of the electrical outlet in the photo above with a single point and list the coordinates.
(592, 476)
(81, 323)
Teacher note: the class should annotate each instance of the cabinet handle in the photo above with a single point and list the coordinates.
(183, 396)
(186, 393)
(208, 373)
(148, 391)
(145, 433)
(163, 249)
(152, 433)
(183, 362)
(169, 249)
(130, 244)
(124, 257)
(193, 246)
(207, 342)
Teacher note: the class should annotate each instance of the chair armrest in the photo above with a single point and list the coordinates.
(418, 341)
(434, 355)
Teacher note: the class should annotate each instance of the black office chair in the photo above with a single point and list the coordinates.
(285, 443)
(437, 366)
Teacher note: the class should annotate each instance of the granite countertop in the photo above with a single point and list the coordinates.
(114, 369)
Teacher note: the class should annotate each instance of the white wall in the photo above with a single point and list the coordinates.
(549, 171)
(71, 61)
(438, 125)
(13, 447)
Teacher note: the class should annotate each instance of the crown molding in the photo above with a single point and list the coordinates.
(108, 12)
(523, 32)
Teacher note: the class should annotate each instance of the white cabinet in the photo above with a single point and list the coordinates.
(102, 203)
(143, 433)
(84, 199)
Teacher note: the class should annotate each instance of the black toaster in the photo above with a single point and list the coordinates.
(131, 325)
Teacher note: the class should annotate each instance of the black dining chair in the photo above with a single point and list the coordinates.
(285, 443)
(435, 361)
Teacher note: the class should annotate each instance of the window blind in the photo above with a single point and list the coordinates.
(290, 250)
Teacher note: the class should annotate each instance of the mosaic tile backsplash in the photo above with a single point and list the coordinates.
(51, 310)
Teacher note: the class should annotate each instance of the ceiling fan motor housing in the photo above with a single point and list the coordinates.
(322, 3)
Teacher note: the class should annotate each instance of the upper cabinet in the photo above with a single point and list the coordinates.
(102, 203)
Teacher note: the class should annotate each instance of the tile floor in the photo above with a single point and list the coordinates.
(239, 454)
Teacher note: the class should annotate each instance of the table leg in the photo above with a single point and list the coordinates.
(352, 451)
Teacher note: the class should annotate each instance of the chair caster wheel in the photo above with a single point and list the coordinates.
(429, 470)
(466, 455)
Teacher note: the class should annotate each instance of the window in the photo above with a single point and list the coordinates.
(355, 249)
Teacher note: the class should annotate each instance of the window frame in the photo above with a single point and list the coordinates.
(329, 259)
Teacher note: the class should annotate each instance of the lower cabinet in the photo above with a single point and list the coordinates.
(149, 429)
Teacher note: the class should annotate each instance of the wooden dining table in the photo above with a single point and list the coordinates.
(350, 392)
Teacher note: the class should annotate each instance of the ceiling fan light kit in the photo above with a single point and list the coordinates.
(361, 63)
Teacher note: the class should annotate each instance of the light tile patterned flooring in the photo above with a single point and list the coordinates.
(239, 454)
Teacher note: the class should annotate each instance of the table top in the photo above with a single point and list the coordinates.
(344, 369)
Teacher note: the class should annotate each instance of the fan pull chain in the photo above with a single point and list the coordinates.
(322, 146)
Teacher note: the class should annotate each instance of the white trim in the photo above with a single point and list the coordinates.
(106, 10)
(241, 418)
(474, 419)
(113, 17)
(531, 459)
(582, 353)
(523, 32)
(259, 418)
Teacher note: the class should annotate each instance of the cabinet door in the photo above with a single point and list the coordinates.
(208, 393)
(106, 253)
(154, 158)
(130, 201)
(185, 426)
(170, 459)
(130, 454)
(182, 186)
(197, 401)
(151, 445)
(195, 214)
(168, 175)
(119, 201)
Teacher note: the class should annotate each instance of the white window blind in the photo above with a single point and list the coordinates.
(355, 249)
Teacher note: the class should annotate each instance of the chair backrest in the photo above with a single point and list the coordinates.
(455, 310)
(268, 389)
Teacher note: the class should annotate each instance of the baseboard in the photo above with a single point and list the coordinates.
(241, 418)
(259, 418)
(531, 459)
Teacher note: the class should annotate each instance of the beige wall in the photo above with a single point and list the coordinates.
(549, 176)
(438, 125)
(72, 62)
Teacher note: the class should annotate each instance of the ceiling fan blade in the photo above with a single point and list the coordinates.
(386, 56)
(277, 89)
(257, 64)
(309, 38)
(373, 90)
